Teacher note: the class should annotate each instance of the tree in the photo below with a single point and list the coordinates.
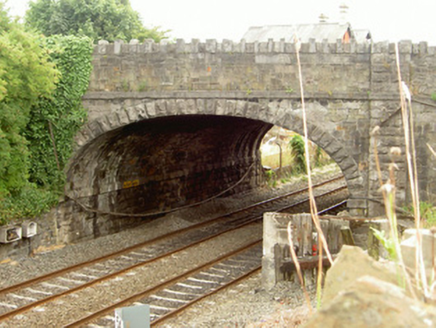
(42, 81)
(26, 74)
(98, 19)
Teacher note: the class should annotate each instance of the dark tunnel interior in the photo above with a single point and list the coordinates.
(165, 163)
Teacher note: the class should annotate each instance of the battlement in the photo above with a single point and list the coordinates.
(227, 46)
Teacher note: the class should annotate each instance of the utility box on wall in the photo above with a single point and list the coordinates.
(10, 234)
(29, 229)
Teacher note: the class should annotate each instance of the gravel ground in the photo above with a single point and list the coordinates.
(92, 299)
(246, 304)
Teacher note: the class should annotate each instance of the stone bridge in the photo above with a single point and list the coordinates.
(172, 124)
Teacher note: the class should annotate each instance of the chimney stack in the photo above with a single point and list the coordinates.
(323, 18)
(343, 13)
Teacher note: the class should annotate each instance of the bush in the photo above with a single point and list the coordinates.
(30, 202)
(298, 149)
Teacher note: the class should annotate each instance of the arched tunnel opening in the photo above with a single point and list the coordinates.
(283, 151)
(163, 164)
(166, 163)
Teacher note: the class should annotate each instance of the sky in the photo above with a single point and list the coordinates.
(391, 20)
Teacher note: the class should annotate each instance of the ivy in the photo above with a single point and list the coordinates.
(55, 121)
(298, 150)
(43, 141)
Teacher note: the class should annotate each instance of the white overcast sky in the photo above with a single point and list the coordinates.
(391, 20)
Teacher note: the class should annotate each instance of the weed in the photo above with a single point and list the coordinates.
(126, 86)
(387, 242)
(428, 213)
(289, 90)
(142, 86)
(271, 177)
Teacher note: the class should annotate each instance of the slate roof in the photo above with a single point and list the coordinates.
(319, 32)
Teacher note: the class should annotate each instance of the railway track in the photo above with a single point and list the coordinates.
(173, 296)
(36, 292)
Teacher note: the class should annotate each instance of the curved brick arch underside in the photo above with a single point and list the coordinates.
(162, 154)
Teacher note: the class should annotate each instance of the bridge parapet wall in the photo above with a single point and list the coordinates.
(229, 46)
(357, 69)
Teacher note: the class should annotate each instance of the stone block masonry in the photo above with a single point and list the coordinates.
(173, 123)
(350, 88)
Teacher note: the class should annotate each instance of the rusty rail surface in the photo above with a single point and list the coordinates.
(254, 217)
(142, 294)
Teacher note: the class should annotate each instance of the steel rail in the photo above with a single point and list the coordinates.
(154, 240)
(143, 263)
(144, 293)
(183, 307)
(42, 301)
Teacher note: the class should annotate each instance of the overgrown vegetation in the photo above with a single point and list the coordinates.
(271, 178)
(26, 75)
(298, 150)
(427, 211)
(42, 81)
(54, 121)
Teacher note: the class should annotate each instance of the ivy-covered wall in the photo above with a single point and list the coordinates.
(42, 142)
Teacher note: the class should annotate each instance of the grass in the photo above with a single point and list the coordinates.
(428, 213)
(273, 160)
(421, 211)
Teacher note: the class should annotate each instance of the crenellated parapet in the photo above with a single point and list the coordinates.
(356, 69)
(228, 46)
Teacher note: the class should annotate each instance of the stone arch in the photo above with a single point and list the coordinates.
(282, 113)
(288, 115)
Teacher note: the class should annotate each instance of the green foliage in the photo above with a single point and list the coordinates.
(98, 19)
(321, 158)
(26, 75)
(298, 149)
(29, 202)
(142, 86)
(318, 156)
(56, 120)
(126, 86)
(433, 96)
(427, 211)
(388, 243)
(41, 85)
(271, 178)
